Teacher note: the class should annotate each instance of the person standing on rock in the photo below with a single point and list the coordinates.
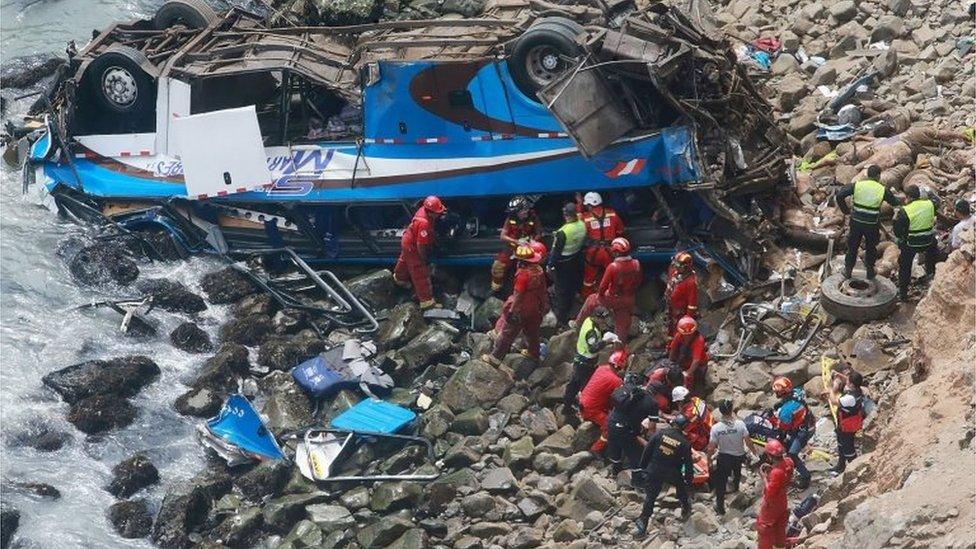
(603, 224)
(914, 227)
(688, 349)
(412, 267)
(867, 196)
(848, 398)
(795, 421)
(593, 337)
(521, 226)
(730, 438)
(566, 263)
(681, 291)
(594, 399)
(618, 289)
(524, 309)
(666, 460)
(774, 512)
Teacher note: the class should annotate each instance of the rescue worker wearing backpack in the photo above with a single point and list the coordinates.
(594, 399)
(698, 428)
(603, 224)
(523, 311)
(618, 288)
(688, 350)
(412, 267)
(666, 460)
(774, 512)
(521, 226)
(634, 412)
(847, 397)
(795, 422)
(593, 337)
(681, 290)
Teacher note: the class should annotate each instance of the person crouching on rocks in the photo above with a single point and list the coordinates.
(594, 399)
(634, 413)
(593, 337)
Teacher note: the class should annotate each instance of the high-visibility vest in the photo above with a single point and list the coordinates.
(589, 335)
(868, 195)
(575, 233)
(921, 223)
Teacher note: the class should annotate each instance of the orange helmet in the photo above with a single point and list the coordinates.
(687, 325)
(775, 448)
(683, 260)
(434, 204)
(527, 254)
(782, 386)
(620, 245)
(619, 358)
(539, 248)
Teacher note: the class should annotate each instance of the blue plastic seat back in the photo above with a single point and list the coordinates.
(323, 374)
(239, 424)
(375, 416)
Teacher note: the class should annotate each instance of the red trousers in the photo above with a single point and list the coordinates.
(772, 529)
(596, 260)
(600, 418)
(508, 331)
(410, 268)
(622, 309)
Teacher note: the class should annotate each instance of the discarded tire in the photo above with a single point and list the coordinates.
(193, 14)
(858, 299)
(119, 84)
(539, 55)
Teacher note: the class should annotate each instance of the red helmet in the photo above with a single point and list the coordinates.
(539, 248)
(620, 245)
(619, 358)
(434, 204)
(782, 386)
(775, 448)
(527, 254)
(687, 325)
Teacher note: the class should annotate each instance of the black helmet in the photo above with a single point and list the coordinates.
(518, 203)
(601, 312)
(679, 421)
(675, 375)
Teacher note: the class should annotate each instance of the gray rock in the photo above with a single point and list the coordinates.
(25, 71)
(265, 479)
(250, 330)
(499, 480)
(131, 519)
(437, 420)
(585, 436)
(131, 475)
(475, 384)
(172, 296)
(305, 534)
(888, 28)
(356, 498)
(38, 489)
(256, 304)
(279, 353)
(40, 436)
(226, 286)
(383, 532)
(190, 338)
(540, 422)
(101, 413)
(330, 517)
(526, 538)
(415, 538)
(240, 529)
(393, 496)
(375, 288)
(530, 508)
(103, 263)
(752, 376)
(784, 64)
(478, 504)
(464, 453)
(185, 507)
(487, 313)
(9, 521)
(468, 542)
(592, 494)
(202, 402)
(427, 346)
(791, 90)
(796, 371)
(470, 422)
(220, 370)
(280, 514)
(566, 531)
(843, 11)
(488, 530)
(405, 323)
(560, 442)
(518, 454)
(288, 407)
(576, 462)
(900, 7)
(545, 463)
(551, 485)
(513, 403)
(824, 76)
(124, 377)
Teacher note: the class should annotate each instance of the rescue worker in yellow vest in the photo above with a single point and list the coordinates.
(914, 227)
(867, 195)
(566, 263)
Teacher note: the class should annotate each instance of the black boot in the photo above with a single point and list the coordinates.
(719, 507)
(641, 529)
(870, 273)
(686, 511)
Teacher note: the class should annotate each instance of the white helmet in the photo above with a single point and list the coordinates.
(678, 394)
(592, 199)
(848, 401)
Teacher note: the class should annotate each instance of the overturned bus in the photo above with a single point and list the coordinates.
(232, 134)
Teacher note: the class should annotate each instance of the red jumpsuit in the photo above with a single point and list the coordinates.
(681, 294)
(685, 351)
(523, 312)
(594, 401)
(618, 293)
(602, 226)
(700, 421)
(660, 388)
(412, 264)
(513, 228)
(774, 512)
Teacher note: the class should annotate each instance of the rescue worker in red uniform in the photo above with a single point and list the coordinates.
(602, 226)
(618, 289)
(681, 291)
(688, 350)
(523, 311)
(594, 399)
(521, 226)
(662, 381)
(412, 266)
(774, 513)
(699, 416)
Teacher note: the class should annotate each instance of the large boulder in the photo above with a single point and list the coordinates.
(101, 413)
(9, 521)
(280, 514)
(221, 370)
(250, 330)
(304, 535)
(383, 532)
(123, 376)
(265, 479)
(39, 435)
(240, 529)
(427, 346)
(131, 475)
(185, 508)
(475, 383)
(405, 323)
(103, 263)
(288, 407)
(131, 519)
(330, 517)
(393, 496)
(171, 295)
(199, 402)
(487, 313)
(226, 286)
(376, 288)
(190, 338)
